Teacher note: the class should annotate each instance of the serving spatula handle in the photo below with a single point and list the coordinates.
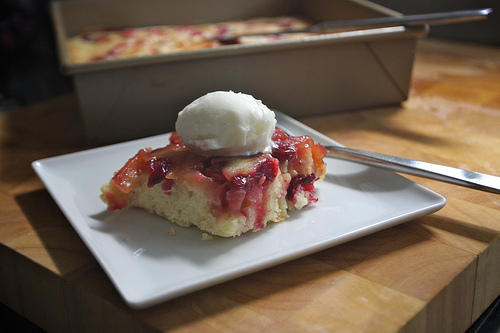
(472, 179)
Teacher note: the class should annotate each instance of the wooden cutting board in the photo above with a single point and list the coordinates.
(437, 273)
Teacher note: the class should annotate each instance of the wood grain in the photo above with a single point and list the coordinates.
(436, 273)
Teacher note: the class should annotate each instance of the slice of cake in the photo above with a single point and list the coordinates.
(226, 169)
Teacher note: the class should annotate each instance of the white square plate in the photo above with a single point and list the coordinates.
(149, 266)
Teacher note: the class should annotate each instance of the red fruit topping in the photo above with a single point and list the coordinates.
(128, 33)
(240, 184)
(296, 150)
(167, 185)
(175, 138)
(127, 178)
(114, 52)
(115, 201)
(221, 31)
(213, 169)
(300, 182)
(157, 170)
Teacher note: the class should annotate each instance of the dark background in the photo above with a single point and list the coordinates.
(28, 60)
(29, 73)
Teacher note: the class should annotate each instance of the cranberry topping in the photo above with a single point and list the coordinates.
(221, 31)
(117, 50)
(128, 33)
(127, 178)
(167, 185)
(268, 169)
(157, 168)
(248, 191)
(300, 182)
(297, 149)
(238, 185)
(213, 169)
(284, 150)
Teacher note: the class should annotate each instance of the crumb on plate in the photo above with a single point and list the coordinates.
(206, 237)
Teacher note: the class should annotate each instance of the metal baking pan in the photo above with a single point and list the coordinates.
(136, 97)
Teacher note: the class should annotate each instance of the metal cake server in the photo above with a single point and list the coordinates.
(457, 16)
(442, 18)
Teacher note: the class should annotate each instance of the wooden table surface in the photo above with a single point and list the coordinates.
(437, 273)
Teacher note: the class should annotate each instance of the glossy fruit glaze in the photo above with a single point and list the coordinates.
(302, 159)
(233, 184)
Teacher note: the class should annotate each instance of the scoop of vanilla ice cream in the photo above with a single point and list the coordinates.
(226, 123)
